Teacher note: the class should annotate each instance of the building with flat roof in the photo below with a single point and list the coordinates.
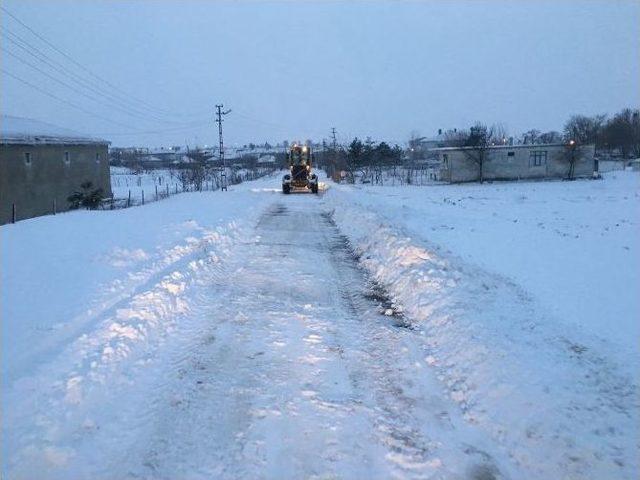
(41, 165)
(514, 162)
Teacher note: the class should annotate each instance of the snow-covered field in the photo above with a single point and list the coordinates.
(152, 185)
(125, 182)
(528, 296)
(471, 331)
(574, 246)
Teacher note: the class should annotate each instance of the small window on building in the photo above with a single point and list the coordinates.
(98, 158)
(445, 159)
(511, 154)
(537, 159)
(27, 158)
(67, 158)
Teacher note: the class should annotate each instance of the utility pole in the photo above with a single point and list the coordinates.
(219, 120)
(334, 162)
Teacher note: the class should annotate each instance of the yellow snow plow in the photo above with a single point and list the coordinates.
(300, 177)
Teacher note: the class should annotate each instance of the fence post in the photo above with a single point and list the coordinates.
(176, 188)
(129, 199)
(143, 196)
(13, 213)
(156, 193)
(112, 201)
(54, 206)
(167, 190)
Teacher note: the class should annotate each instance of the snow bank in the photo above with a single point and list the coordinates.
(556, 390)
(88, 300)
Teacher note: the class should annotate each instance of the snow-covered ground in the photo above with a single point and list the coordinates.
(371, 332)
(163, 183)
(125, 181)
(527, 294)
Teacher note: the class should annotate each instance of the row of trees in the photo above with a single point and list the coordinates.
(367, 161)
(618, 134)
(369, 158)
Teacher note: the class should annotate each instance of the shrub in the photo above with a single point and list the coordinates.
(87, 197)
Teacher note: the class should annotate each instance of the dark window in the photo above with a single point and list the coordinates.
(510, 154)
(537, 159)
(27, 158)
(98, 158)
(445, 159)
(67, 158)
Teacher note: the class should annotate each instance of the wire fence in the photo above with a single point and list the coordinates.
(132, 192)
(165, 186)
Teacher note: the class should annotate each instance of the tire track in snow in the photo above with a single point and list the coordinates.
(303, 375)
(125, 338)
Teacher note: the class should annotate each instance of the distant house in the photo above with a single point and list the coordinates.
(267, 161)
(512, 162)
(436, 141)
(41, 165)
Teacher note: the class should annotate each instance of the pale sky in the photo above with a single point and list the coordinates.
(292, 70)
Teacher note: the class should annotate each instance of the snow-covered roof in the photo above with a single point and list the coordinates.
(26, 131)
(506, 147)
(267, 159)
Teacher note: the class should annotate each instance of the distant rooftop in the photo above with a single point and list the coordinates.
(26, 131)
(505, 147)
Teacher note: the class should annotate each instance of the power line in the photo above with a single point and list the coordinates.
(49, 94)
(131, 133)
(82, 67)
(279, 126)
(154, 132)
(72, 88)
(82, 82)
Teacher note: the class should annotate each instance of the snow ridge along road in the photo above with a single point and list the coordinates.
(311, 338)
(303, 374)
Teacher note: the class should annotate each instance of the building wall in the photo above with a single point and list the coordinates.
(34, 187)
(610, 165)
(503, 163)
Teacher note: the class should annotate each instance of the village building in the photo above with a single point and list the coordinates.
(514, 162)
(41, 165)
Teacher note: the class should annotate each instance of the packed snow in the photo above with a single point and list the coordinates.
(470, 331)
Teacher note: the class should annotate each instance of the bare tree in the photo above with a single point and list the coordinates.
(530, 137)
(415, 143)
(499, 134)
(456, 138)
(551, 137)
(570, 155)
(478, 142)
(623, 132)
(584, 130)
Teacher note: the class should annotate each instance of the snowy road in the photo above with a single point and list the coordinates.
(233, 342)
(305, 370)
